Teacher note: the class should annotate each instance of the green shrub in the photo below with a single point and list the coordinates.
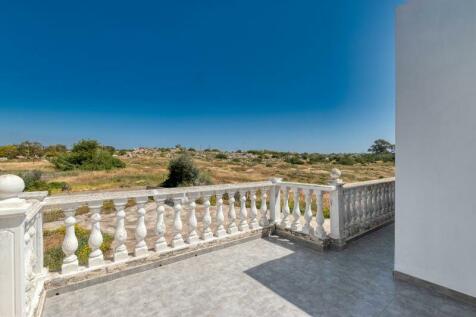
(53, 256)
(88, 155)
(33, 181)
(294, 160)
(183, 172)
(346, 160)
(55, 150)
(58, 187)
(221, 156)
(9, 151)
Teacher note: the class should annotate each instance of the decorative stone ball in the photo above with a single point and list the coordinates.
(11, 184)
(335, 173)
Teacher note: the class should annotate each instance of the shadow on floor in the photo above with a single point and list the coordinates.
(357, 281)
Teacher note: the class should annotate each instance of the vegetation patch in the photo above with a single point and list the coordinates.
(184, 172)
(53, 239)
(88, 155)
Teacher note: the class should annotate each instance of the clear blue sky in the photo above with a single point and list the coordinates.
(307, 75)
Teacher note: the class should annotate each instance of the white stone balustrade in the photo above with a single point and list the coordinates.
(367, 205)
(354, 208)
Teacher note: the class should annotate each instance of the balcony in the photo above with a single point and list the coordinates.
(265, 277)
(263, 248)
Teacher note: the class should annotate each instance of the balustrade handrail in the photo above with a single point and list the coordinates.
(294, 185)
(163, 193)
(368, 183)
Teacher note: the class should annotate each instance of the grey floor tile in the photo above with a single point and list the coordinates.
(265, 277)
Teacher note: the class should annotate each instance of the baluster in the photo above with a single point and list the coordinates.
(353, 213)
(192, 221)
(39, 244)
(177, 240)
(243, 212)
(364, 207)
(29, 262)
(347, 213)
(253, 211)
(160, 228)
(232, 228)
(207, 219)
(387, 200)
(264, 209)
(358, 204)
(285, 222)
(371, 205)
(379, 203)
(393, 198)
(120, 236)
(376, 210)
(221, 232)
(307, 229)
(320, 232)
(96, 258)
(296, 225)
(70, 242)
(390, 199)
(141, 229)
(373, 212)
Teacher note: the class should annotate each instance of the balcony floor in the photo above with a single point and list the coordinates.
(265, 277)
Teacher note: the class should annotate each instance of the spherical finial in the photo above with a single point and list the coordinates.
(335, 174)
(11, 186)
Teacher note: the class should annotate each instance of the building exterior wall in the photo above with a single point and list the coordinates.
(436, 143)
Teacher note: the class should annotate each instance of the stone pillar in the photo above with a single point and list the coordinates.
(12, 246)
(337, 208)
(275, 201)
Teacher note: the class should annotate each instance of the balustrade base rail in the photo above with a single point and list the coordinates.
(370, 230)
(61, 283)
(303, 239)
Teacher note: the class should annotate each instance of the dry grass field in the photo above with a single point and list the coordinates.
(149, 169)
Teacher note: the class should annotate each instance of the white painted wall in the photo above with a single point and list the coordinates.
(436, 142)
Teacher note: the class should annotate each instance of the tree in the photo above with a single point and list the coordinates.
(87, 155)
(382, 146)
(183, 172)
(55, 150)
(30, 149)
(9, 151)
